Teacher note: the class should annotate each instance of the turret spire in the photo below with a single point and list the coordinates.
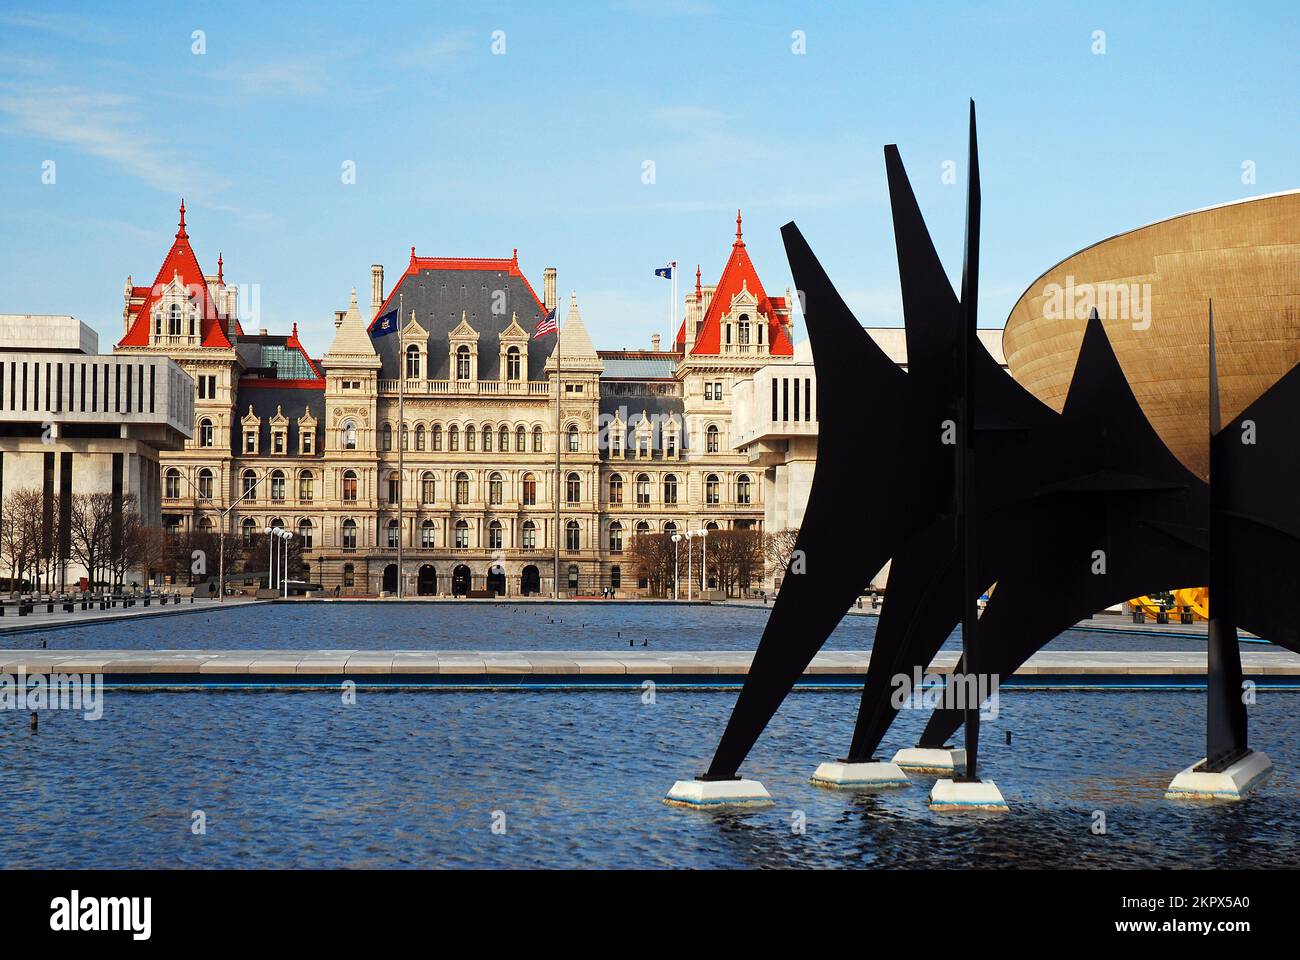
(180, 231)
(739, 240)
(220, 275)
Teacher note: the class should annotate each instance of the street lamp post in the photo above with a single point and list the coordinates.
(287, 537)
(677, 538)
(690, 577)
(271, 537)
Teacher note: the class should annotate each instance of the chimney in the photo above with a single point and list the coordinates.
(338, 318)
(654, 343)
(376, 286)
(548, 288)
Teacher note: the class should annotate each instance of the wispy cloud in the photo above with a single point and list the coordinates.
(68, 25)
(106, 125)
(295, 77)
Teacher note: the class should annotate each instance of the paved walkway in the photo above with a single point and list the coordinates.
(172, 668)
(42, 620)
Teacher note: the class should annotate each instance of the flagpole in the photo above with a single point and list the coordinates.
(556, 585)
(401, 434)
(672, 309)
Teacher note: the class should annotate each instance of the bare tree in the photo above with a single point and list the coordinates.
(778, 548)
(21, 517)
(734, 557)
(651, 555)
(91, 534)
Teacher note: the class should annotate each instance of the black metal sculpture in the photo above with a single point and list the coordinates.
(1089, 507)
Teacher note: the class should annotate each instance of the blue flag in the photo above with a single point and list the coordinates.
(665, 272)
(384, 325)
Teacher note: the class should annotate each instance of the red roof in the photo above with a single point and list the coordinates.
(180, 261)
(509, 265)
(739, 274)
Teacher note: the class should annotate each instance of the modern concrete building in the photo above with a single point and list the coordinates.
(74, 422)
(318, 445)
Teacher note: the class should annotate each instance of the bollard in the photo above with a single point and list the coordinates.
(49, 606)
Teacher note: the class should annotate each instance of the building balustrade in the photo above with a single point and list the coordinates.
(510, 388)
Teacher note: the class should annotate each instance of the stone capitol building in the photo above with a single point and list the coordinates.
(312, 444)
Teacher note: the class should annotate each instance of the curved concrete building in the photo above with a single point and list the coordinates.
(1152, 287)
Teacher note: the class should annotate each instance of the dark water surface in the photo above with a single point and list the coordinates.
(413, 779)
(491, 626)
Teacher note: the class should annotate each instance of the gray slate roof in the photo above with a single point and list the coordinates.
(292, 401)
(440, 296)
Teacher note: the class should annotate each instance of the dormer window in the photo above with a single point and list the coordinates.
(413, 362)
(462, 363)
(250, 441)
(742, 330)
(174, 320)
(512, 363)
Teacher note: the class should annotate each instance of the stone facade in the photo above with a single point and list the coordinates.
(454, 413)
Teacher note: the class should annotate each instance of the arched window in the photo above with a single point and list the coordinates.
(573, 438)
(462, 488)
(428, 487)
(277, 485)
(248, 486)
(487, 438)
(157, 323)
(471, 437)
(419, 436)
(205, 484)
(537, 439)
(670, 528)
(406, 437)
(305, 533)
(512, 363)
(427, 530)
(530, 535)
(711, 439)
(248, 528)
(453, 437)
(615, 490)
(616, 577)
(462, 362)
(494, 489)
(711, 525)
(670, 488)
(386, 441)
(530, 490)
(349, 435)
(742, 488)
(462, 535)
(616, 537)
(742, 330)
(172, 484)
(205, 525)
(349, 575)
(503, 439)
(394, 487)
(350, 485)
(642, 489)
(437, 436)
(573, 488)
(573, 577)
(205, 433)
(572, 536)
(521, 440)
(174, 320)
(413, 362)
(394, 533)
(349, 534)
(306, 487)
(711, 490)
(494, 535)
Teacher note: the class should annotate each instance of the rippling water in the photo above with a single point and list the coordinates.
(490, 626)
(413, 780)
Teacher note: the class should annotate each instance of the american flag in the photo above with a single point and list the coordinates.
(546, 325)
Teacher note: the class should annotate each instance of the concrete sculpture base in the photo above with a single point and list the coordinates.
(1231, 784)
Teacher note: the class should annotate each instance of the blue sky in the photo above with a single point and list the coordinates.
(465, 152)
